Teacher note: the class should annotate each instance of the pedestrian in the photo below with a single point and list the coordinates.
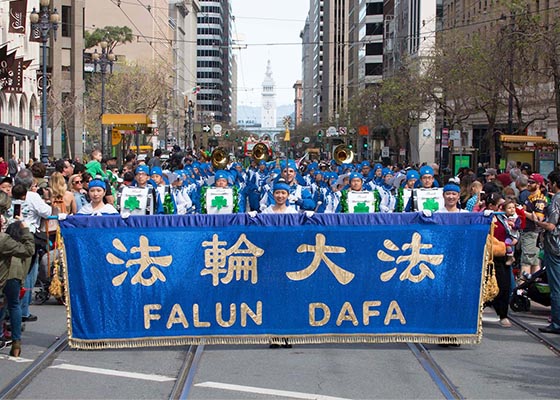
(552, 252)
(495, 202)
(16, 249)
(13, 166)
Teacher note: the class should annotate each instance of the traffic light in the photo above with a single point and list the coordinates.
(350, 146)
(365, 145)
(226, 134)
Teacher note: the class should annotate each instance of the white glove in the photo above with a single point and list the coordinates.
(309, 214)
(488, 213)
(293, 198)
(427, 213)
(125, 215)
(252, 214)
(62, 216)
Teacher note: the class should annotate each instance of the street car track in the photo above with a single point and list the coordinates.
(16, 386)
(535, 334)
(186, 374)
(442, 381)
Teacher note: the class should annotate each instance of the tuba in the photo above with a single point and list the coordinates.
(219, 158)
(260, 152)
(342, 154)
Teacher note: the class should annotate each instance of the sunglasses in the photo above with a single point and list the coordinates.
(76, 182)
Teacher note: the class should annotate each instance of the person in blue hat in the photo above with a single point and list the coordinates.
(209, 203)
(280, 191)
(426, 181)
(300, 197)
(342, 201)
(385, 193)
(257, 181)
(96, 206)
(451, 199)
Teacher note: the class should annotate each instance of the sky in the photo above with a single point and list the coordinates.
(270, 29)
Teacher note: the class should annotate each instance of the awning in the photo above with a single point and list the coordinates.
(125, 119)
(526, 139)
(18, 133)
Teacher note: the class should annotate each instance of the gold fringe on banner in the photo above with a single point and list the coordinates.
(100, 344)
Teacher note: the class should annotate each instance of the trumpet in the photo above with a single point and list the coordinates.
(342, 154)
(219, 158)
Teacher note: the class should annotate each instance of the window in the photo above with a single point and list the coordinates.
(66, 25)
(374, 49)
(374, 69)
(374, 29)
(374, 9)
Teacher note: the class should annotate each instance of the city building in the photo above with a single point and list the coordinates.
(215, 61)
(268, 100)
(165, 33)
(298, 103)
(20, 106)
(409, 31)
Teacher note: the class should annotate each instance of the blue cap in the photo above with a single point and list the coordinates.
(451, 187)
(412, 174)
(377, 166)
(426, 170)
(354, 175)
(291, 164)
(281, 185)
(386, 171)
(221, 174)
(97, 183)
(262, 162)
(142, 168)
(156, 171)
(366, 164)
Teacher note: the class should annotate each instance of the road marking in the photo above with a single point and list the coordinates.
(15, 359)
(272, 392)
(112, 372)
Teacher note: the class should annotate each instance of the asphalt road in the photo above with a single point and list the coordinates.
(508, 364)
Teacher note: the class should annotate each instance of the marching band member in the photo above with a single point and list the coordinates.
(385, 192)
(355, 199)
(221, 198)
(451, 199)
(280, 191)
(139, 197)
(299, 197)
(96, 192)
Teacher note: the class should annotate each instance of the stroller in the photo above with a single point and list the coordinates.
(47, 269)
(534, 287)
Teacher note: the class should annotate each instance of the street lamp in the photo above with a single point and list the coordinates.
(44, 21)
(106, 58)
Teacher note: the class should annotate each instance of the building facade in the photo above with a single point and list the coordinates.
(268, 100)
(215, 61)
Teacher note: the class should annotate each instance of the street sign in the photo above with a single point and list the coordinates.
(455, 134)
(217, 129)
(402, 151)
(306, 140)
(206, 128)
(385, 152)
(363, 130)
(331, 131)
(342, 131)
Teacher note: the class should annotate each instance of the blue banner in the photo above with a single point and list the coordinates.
(166, 280)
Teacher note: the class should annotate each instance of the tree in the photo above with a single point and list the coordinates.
(114, 35)
(130, 89)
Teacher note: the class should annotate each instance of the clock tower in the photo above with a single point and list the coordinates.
(268, 111)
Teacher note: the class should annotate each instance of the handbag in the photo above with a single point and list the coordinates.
(490, 287)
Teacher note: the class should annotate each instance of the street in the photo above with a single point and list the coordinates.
(508, 364)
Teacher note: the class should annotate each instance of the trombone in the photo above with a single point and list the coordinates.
(342, 154)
